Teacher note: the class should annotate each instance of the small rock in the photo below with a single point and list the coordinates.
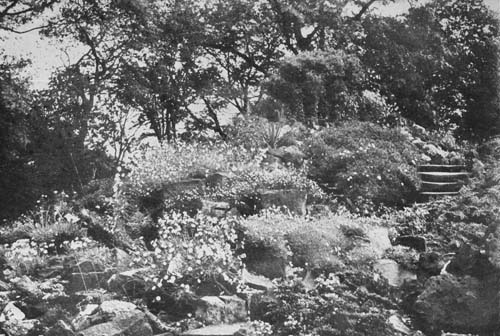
(11, 313)
(116, 308)
(379, 239)
(89, 309)
(61, 328)
(416, 242)
(397, 324)
(84, 319)
(393, 272)
(122, 258)
(211, 310)
(218, 330)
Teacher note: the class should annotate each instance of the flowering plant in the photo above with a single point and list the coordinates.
(193, 252)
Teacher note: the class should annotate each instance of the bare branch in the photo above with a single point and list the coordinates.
(363, 10)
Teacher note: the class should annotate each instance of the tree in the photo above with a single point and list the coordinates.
(471, 34)
(15, 13)
(403, 56)
(437, 64)
(320, 86)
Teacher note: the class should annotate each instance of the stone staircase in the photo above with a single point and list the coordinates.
(441, 180)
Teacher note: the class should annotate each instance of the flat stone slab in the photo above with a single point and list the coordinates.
(216, 330)
(257, 281)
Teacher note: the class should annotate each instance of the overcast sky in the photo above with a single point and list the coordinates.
(46, 55)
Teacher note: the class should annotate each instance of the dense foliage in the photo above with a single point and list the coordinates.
(265, 158)
(364, 160)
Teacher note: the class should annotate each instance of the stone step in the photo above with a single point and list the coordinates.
(439, 193)
(216, 330)
(440, 186)
(441, 168)
(443, 176)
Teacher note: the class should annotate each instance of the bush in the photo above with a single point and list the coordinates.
(25, 257)
(193, 252)
(154, 168)
(364, 160)
(51, 222)
(151, 183)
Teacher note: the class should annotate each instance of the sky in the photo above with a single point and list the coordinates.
(47, 56)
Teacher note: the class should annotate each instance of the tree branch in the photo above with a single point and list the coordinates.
(24, 31)
(248, 59)
(363, 10)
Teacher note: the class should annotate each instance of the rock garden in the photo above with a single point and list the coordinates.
(218, 239)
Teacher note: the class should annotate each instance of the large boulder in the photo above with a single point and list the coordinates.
(221, 309)
(11, 312)
(129, 283)
(112, 318)
(459, 304)
(133, 325)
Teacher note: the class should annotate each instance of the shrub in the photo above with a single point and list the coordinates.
(193, 252)
(321, 245)
(255, 132)
(364, 160)
(51, 222)
(158, 170)
(154, 168)
(25, 257)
